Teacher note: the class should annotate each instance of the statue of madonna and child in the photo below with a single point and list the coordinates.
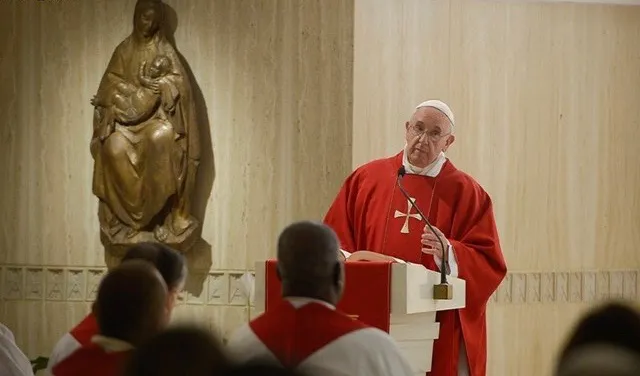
(145, 141)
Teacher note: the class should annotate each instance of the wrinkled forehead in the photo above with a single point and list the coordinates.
(431, 118)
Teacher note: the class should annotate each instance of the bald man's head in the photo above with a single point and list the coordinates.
(308, 262)
(131, 302)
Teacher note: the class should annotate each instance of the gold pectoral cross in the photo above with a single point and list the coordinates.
(398, 214)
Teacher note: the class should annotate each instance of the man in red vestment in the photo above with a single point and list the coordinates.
(305, 332)
(374, 221)
(171, 265)
(130, 308)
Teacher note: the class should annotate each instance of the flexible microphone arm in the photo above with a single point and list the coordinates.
(443, 264)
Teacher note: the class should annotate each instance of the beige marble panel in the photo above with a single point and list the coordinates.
(401, 55)
(547, 123)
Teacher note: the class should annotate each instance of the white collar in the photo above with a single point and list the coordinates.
(299, 301)
(109, 344)
(432, 170)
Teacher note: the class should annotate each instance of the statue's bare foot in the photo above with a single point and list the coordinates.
(111, 228)
(161, 233)
(180, 224)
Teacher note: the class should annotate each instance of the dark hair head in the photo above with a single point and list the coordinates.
(131, 302)
(614, 324)
(184, 350)
(598, 360)
(170, 263)
(308, 262)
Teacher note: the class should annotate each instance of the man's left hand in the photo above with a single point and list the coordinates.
(430, 243)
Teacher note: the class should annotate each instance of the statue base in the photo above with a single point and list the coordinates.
(118, 244)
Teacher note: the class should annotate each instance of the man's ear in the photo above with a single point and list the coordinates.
(450, 140)
(338, 274)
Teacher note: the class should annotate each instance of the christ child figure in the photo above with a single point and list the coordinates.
(132, 105)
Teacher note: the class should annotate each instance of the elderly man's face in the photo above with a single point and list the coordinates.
(427, 134)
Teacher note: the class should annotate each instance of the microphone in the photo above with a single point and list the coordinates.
(443, 291)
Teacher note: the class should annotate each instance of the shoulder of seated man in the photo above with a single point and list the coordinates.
(370, 338)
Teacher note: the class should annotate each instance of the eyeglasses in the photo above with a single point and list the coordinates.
(434, 135)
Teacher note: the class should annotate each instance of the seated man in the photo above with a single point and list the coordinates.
(130, 309)
(13, 362)
(171, 266)
(305, 332)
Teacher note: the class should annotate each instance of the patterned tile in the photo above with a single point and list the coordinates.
(218, 289)
(236, 290)
(547, 287)
(533, 284)
(602, 285)
(34, 284)
(630, 291)
(518, 288)
(562, 287)
(76, 285)
(588, 286)
(575, 287)
(13, 285)
(94, 277)
(54, 284)
(616, 284)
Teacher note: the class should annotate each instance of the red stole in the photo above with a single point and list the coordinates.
(92, 360)
(85, 330)
(293, 335)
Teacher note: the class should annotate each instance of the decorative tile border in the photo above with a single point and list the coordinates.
(223, 287)
(80, 284)
(567, 287)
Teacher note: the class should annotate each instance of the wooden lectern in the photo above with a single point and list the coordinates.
(397, 298)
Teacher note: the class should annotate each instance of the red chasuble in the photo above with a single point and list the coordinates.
(370, 213)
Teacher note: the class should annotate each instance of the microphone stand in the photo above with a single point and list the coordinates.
(442, 291)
